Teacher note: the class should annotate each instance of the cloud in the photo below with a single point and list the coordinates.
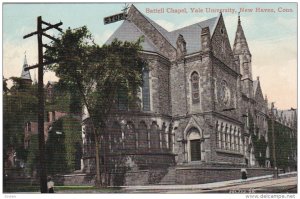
(289, 23)
(275, 61)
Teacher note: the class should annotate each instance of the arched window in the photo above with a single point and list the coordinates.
(142, 137)
(146, 91)
(195, 88)
(154, 137)
(130, 139)
(164, 136)
(236, 139)
(116, 137)
(170, 137)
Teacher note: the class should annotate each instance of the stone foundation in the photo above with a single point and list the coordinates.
(183, 175)
(215, 174)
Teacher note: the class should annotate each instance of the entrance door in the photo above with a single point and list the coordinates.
(195, 150)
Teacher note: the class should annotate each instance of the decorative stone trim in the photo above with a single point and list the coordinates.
(229, 152)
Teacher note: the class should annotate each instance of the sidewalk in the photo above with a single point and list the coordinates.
(204, 186)
(167, 188)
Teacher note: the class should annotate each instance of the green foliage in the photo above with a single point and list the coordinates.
(33, 154)
(259, 144)
(63, 144)
(285, 145)
(5, 88)
(260, 147)
(63, 100)
(95, 73)
(73, 142)
(19, 107)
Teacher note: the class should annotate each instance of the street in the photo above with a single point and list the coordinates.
(285, 184)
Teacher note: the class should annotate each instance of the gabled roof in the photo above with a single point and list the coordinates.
(192, 34)
(129, 32)
(25, 74)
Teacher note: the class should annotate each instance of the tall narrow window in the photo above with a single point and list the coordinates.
(195, 88)
(142, 137)
(122, 99)
(195, 150)
(146, 90)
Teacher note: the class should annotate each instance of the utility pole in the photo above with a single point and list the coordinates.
(275, 174)
(41, 108)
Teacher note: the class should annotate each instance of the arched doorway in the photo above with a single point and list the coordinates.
(194, 145)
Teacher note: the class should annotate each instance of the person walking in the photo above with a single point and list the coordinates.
(50, 185)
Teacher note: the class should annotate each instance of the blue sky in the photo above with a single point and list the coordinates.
(272, 37)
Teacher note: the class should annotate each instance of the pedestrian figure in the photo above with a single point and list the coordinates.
(244, 173)
(50, 185)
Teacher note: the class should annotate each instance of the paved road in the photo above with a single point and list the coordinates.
(284, 185)
(266, 185)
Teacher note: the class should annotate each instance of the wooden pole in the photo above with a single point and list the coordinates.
(43, 168)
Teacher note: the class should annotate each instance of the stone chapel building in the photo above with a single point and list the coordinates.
(200, 108)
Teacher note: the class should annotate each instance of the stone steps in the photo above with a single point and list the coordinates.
(169, 178)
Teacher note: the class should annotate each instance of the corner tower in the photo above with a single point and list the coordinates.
(242, 53)
(25, 75)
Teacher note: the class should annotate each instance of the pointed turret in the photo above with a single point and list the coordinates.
(25, 75)
(240, 45)
(242, 53)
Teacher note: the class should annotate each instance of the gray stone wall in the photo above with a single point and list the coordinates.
(160, 84)
(177, 85)
(221, 47)
(152, 33)
(207, 175)
(223, 73)
(181, 129)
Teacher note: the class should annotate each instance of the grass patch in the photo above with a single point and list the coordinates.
(14, 188)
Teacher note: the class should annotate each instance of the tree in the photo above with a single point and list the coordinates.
(19, 107)
(5, 88)
(32, 159)
(62, 145)
(96, 74)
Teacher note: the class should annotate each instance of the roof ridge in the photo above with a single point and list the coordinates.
(193, 24)
(138, 34)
